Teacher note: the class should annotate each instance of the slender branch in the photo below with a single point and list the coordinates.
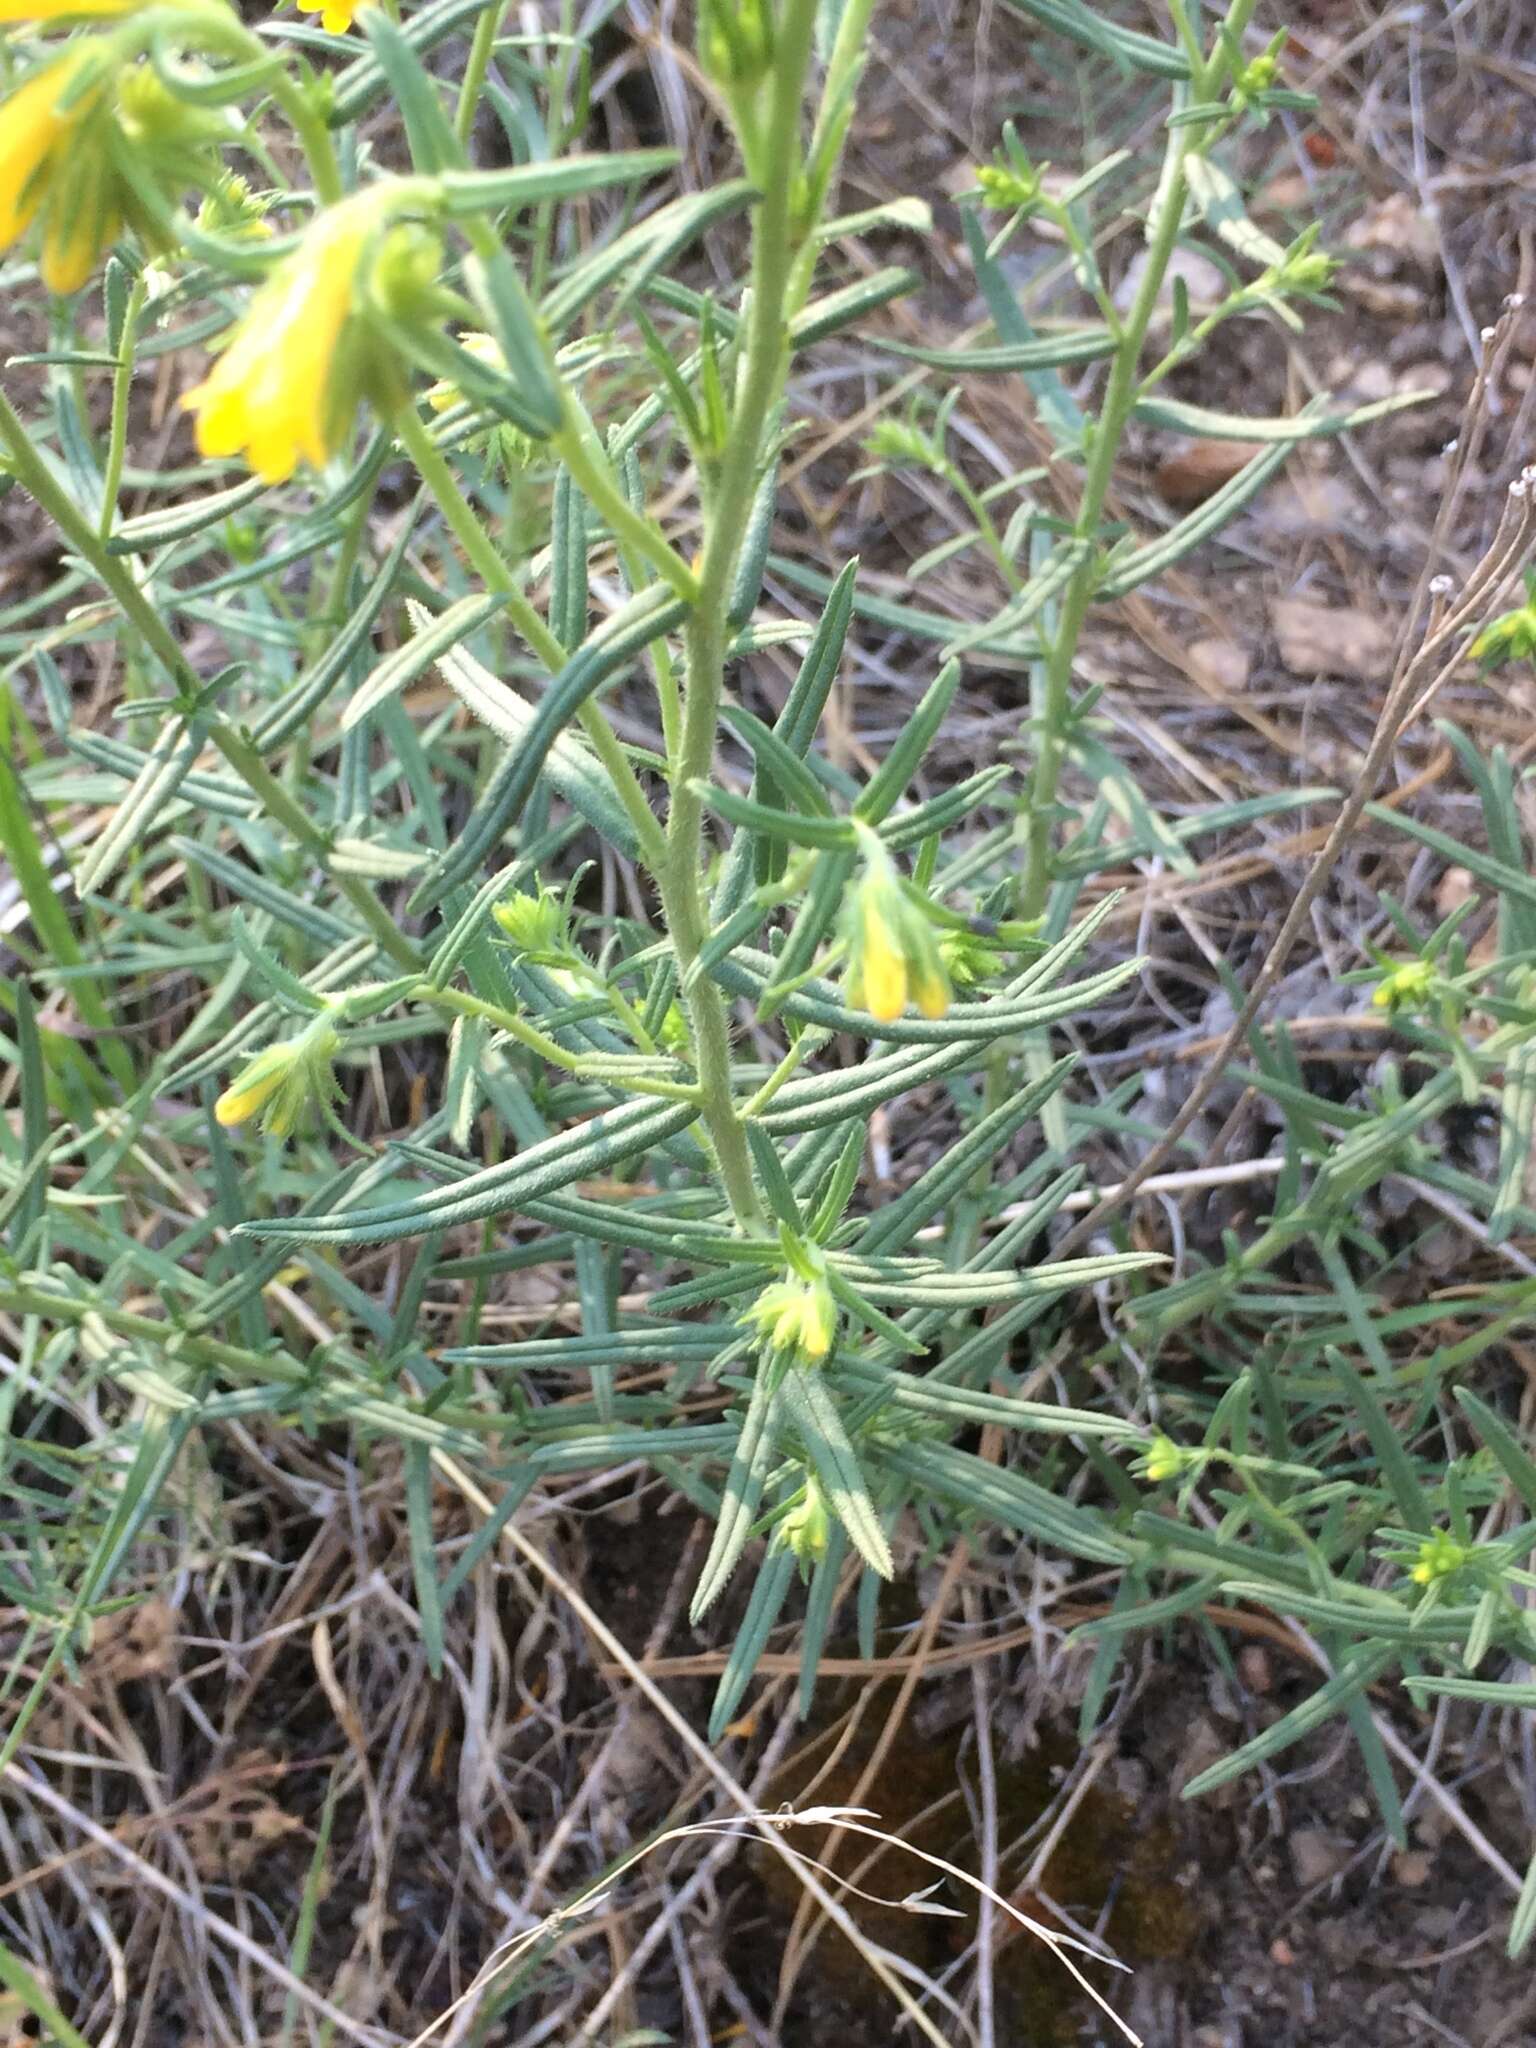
(436, 473)
(775, 245)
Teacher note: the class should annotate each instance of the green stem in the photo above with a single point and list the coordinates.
(435, 471)
(585, 457)
(1108, 431)
(577, 444)
(986, 526)
(122, 379)
(560, 139)
(474, 71)
(775, 246)
(38, 480)
(433, 468)
(279, 804)
(309, 126)
(588, 1066)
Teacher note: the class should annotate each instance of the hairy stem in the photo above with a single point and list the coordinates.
(436, 473)
(775, 247)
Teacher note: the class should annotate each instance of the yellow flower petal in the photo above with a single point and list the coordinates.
(63, 10)
(882, 970)
(239, 1104)
(70, 254)
(82, 219)
(336, 16)
(31, 129)
(932, 992)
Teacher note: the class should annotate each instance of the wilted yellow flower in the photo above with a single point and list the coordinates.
(336, 16)
(795, 1317)
(893, 948)
(283, 1079)
(285, 390)
(52, 165)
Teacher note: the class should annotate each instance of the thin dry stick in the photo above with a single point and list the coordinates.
(667, 1922)
(1447, 624)
(986, 1782)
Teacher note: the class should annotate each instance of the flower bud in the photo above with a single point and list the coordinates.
(1406, 987)
(795, 1320)
(1164, 1459)
(736, 40)
(280, 1083)
(1511, 637)
(536, 925)
(807, 1529)
(1009, 187)
(1439, 1556)
(901, 444)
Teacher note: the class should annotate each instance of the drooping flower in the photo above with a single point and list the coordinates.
(65, 134)
(53, 165)
(283, 1079)
(285, 389)
(893, 948)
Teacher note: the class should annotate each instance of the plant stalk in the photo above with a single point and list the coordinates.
(1109, 429)
(775, 245)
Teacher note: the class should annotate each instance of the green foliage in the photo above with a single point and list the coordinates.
(656, 970)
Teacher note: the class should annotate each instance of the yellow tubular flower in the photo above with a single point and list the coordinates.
(882, 967)
(282, 391)
(35, 132)
(279, 1084)
(336, 16)
(894, 955)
